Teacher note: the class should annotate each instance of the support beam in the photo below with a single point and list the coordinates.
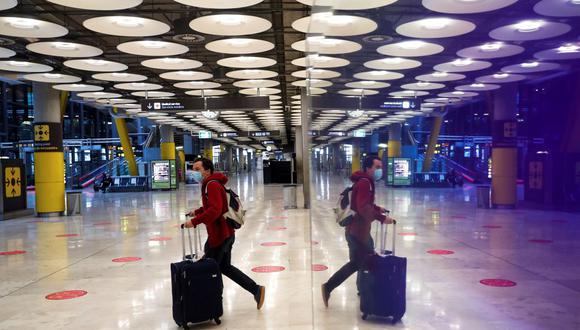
(121, 126)
(433, 137)
(167, 142)
(306, 101)
(395, 135)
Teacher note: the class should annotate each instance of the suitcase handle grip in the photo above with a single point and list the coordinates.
(383, 240)
(196, 242)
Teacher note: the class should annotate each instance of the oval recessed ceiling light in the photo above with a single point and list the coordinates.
(186, 75)
(96, 65)
(437, 27)
(119, 77)
(30, 28)
(152, 48)
(260, 91)
(462, 65)
(219, 4)
(197, 85)
(239, 46)
(410, 48)
(115, 101)
(501, 78)
(78, 87)
(98, 4)
(7, 4)
(529, 30)
(318, 61)
(367, 84)
(252, 74)
(424, 86)
(409, 93)
(358, 92)
(558, 8)
(318, 83)
(6, 53)
(98, 95)
(329, 46)
(567, 51)
(531, 67)
(246, 62)
(334, 25)
(466, 6)
(312, 73)
(52, 78)
(440, 77)
(63, 49)
(256, 83)
(491, 50)
(126, 26)
(138, 86)
(478, 87)
(171, 63)
(230, 24)
(392, 63)
(153, 94)
(378, 75)
(206, 92)
(348, 4)
(23, 66)
(458, 94)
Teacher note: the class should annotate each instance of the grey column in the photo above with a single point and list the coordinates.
(306, 105)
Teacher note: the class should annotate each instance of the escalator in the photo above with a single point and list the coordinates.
(472, 175)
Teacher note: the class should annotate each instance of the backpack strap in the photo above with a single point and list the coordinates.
(207, 184)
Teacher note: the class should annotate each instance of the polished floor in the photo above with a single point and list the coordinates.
(532, 255)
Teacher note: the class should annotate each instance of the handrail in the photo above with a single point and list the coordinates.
(99, 168)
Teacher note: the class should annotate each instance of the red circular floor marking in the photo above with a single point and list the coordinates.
(11, 253)
(315, 242)
(67, 235)
(126, 259)
(160, 238)
(407, 234)
(273, 244)
(491, 226)
(277, 228)
(268, 269)
(440, 252)
(540, 241)
(319, 268)
(66, 295)
(498, 282)
(102, 223)
(279, 218)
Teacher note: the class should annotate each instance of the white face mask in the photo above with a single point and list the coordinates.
(197, 176)
(378, 174)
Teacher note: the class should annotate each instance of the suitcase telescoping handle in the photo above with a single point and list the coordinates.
(383, 240)
(196, 242)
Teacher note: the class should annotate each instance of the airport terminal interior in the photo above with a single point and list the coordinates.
(460, 117)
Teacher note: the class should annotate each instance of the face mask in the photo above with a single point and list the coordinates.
(378, 174)
(197, 176)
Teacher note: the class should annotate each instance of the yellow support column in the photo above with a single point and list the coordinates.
(355, 156)
(63, 102)
(181, 156)
(435, 129)
(167, 143)
(126, 144)
(394, 145)
(48, 151)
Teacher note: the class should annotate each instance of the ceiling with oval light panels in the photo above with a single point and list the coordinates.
(457, 48)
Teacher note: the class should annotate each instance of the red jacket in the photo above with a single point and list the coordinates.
(213, 209)
(363, 203)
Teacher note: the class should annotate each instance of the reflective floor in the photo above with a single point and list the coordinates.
(538, 251)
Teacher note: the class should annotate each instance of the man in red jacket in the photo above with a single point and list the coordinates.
(358, 232)
(221, 236)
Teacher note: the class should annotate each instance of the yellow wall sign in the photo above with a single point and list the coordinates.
(41, 133)
(12, 182)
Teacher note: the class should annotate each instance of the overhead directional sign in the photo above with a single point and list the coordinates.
(213, 103)
(336, 133)
(234, 134)
(366, 103)
(231, 134)
(264, 133)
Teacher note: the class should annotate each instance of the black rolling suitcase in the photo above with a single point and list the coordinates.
(196, 286)
(383, 283)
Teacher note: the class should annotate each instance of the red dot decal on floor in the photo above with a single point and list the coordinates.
(407, 234)
(268, 269)
(102, 223)
(277, 228)
(67, 235)
(541, 241)
(498, 282)
(279, 218)
(440, 252)
(319, 268)
(491, 226)
(11, 253)
(63, 295)
(273, 244)
(160, 238)
(126, 259)
(315, 242)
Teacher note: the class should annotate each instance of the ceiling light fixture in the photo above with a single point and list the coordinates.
(411, 44)
(229, 19)
(52, 75)
(23, 23)
(457, 93)
(491, 47)
(96, 62)
(478, 85)
(65, 46)
(239, 42)
(501, 75)
(435, 23)
(462, 62)
(128, 21)
(568, 48)
(339, 20)
(119, 74)
(171, 60)
(529, 64)
(575, 2)
(440, 74)
(19, 63)
(151, 44)
(392, 60)
(423, 84)
(529, 26)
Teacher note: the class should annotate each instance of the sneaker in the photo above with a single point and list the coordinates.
(259, 296)
(325, 295)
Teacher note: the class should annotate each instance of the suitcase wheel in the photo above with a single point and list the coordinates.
(364, 316)
(217, 321)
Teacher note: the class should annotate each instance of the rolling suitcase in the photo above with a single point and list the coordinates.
(383, 283)
(196, 286)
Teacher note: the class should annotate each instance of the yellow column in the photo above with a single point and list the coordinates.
(435, 129)
(167, 143)
(48, 151)
(126, 144)
(181, 156)
(355, 156)
(394, 145)
(63, 102)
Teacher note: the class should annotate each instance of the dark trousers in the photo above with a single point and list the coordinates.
(358, 254)
(222, 254)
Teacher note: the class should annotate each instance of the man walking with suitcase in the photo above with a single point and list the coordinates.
(221, 235)
(358, 232)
